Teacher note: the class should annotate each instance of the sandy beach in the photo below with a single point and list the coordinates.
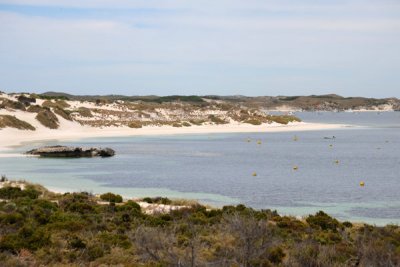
(73, 131)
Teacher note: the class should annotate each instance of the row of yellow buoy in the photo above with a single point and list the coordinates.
(295, 167)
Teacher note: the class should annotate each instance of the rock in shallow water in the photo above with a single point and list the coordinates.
(71, 152)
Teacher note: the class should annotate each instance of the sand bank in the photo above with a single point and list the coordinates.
(73, 131)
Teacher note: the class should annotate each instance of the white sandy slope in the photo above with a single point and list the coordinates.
(68, 130)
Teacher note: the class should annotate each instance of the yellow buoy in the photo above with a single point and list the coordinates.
(259, 142)
(295, 168)
(254, 174)
(330, 145)
(337, 161)
(362, 183)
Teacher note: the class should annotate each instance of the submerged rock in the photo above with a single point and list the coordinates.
(71, 152)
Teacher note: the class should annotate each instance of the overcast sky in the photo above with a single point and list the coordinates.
(225, 47)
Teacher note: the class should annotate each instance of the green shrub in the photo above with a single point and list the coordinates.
(48, 119)
(27, 237)
(76, 243)
(186, 124)
(9, 192)
(276, 255)
(323, 221)
(13, 122)
(110, 197)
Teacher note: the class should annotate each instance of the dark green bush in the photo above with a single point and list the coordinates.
(323, 221)
(110, 197)
(9, 192)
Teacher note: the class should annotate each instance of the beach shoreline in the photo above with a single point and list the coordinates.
(10, 138)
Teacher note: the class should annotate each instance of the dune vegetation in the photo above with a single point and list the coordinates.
(137, 112)
(40, 228)
(13, 122)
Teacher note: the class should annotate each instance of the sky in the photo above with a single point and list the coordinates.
(219, 47)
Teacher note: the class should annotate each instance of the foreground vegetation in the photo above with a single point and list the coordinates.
(40, 228)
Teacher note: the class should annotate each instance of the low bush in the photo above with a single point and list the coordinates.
(197, 122)
(13, 122)
(84, 112)
(157, 200)
(10, 192)
(55, 104)
(323, 221)
(253, 122)
(48, 119)
(7, 103)
(217, 120)
(110, 197)
(135, 124)
(283, 119)
(176, 124)
(34, 109)
(63, 113)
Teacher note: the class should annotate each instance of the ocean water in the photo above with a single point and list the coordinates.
(217, 169)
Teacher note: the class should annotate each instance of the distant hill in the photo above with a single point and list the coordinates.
(328, 102)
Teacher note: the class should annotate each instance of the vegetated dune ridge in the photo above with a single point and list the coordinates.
(41, 228)
(29, 118)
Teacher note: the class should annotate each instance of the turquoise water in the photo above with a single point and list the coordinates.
(217, 168)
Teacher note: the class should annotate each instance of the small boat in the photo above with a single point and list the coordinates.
(254, 174)
(295, 167)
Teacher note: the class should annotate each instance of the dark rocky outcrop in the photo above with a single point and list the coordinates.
(71, 152)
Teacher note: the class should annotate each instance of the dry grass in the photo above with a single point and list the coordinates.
(13, 122)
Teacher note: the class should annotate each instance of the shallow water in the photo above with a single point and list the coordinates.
(217, 168)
